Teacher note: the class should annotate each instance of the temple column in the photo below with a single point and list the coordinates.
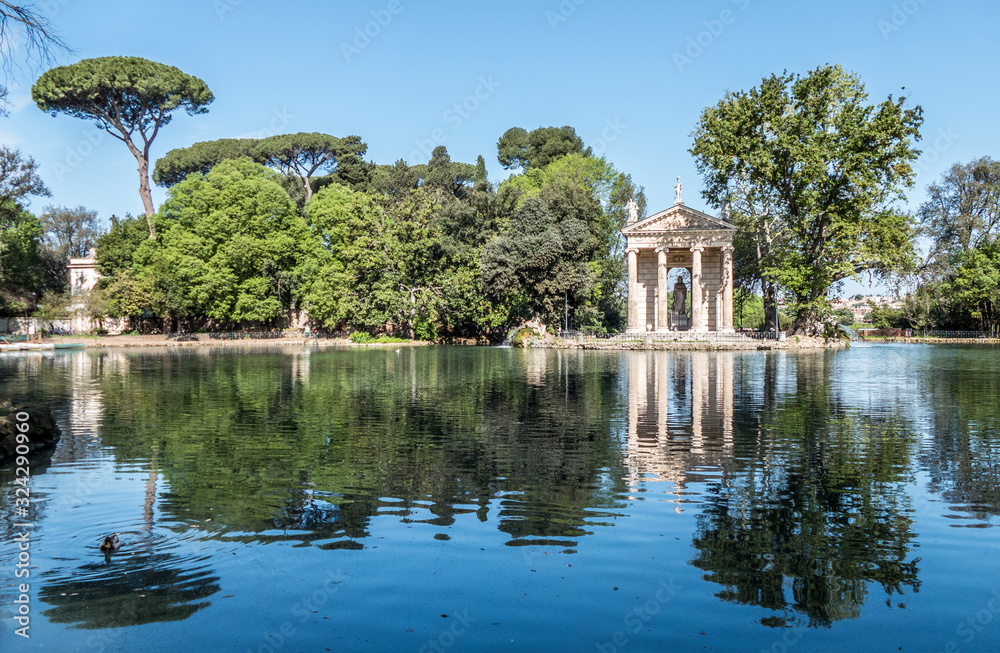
(633, 289)
(662, 292)
(727, 289)
(697, 292)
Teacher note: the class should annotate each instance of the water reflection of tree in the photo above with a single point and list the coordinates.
(139, 590)
(817, 513)
(424, 435)
(963, 461)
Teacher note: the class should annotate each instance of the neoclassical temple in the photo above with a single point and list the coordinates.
(690, 240)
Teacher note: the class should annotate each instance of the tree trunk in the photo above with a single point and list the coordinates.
(308, 188)
(144, 192)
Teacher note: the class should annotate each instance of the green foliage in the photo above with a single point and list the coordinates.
(975, 288)
(564, 243)
(960, 283)
(20, 261)
(19, 181)
(961, 214)
(518, 148)
(480, 174)
(379, 269)
(21, 255)
(542, 256)
(201, 157)
(116, 248)
(444, 174)
(126, 96)
(884, 317)
(843, 316)
(298, 156)
(365, 338)
(813, 173)
(748, 310)
(230, 249)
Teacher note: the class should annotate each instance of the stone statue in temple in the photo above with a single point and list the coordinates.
(680, 297)
(633, 211)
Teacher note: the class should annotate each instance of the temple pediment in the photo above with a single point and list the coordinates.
(678, 218)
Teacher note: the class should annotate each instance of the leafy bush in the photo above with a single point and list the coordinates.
(363, 338)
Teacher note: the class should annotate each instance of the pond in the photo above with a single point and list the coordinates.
(496, 499)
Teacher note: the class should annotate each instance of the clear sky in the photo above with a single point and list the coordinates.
(407, 75)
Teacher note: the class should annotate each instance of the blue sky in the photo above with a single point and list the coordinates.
(407, 75)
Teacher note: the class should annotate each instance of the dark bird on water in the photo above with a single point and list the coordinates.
(111, 544)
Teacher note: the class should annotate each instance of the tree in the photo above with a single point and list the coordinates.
(39, 37)
(116, 248)
(540, 258)
(177, 164)
(480, 175)
(231, 245)
(20, 231)
(20, 262)
(125, 96)
(813, 174)
(305, 154)
(962, 213)
(69, 233)
(845, 316)
(975, 288)
(19, 180)
(518, 148)
(298, 156)
(449, 176)
(396, 179)
(379, 267)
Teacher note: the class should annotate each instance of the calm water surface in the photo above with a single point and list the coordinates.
(474, 499)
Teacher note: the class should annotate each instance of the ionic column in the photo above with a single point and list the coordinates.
(633, 289)
(697, 292)
(662, 292)
(727, 289)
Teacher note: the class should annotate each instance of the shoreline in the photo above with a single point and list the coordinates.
(649, 344)
(69, 343)
(203, 340)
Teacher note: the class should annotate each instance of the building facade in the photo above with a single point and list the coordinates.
(696, 251)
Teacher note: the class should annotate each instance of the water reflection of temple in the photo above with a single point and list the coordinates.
(680, 414)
